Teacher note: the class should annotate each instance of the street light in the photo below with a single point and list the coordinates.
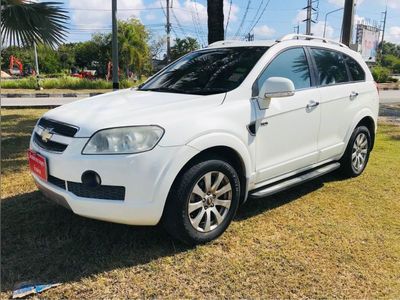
(326, 17)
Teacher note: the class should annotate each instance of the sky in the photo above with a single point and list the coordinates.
(267, 19)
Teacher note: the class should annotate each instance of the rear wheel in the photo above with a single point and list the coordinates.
(202, 202)
(357, 152)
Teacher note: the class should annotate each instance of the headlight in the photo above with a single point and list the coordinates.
(124, 140)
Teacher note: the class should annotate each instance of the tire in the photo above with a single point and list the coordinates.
(356, 156)
(198, 194)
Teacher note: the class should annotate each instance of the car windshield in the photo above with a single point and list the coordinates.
(206, 72)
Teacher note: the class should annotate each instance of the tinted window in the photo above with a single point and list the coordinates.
(357, 73)
(331, 68)
(291, 64)
(207, 72)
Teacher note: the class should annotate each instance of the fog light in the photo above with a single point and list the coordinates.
(91, 179)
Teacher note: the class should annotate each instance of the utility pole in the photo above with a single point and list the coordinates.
(383, 31)
(309, 14)
(168, 27)
(296, 28)
(36, 59)
(310, 11)
(249, 37)
(114, 46)
(38, 87)
(347, 24)
(215, 21)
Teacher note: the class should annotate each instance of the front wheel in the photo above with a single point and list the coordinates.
(357, 152)
(202, 202)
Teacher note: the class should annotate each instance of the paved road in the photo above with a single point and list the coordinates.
(391, 96)
(31, 102)
(386, 97)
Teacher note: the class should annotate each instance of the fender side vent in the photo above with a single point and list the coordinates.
(252, 128)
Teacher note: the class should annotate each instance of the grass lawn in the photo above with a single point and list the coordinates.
(329, 238)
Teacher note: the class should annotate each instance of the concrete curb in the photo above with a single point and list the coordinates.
(47, 95)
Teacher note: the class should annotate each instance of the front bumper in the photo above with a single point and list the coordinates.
(147, 178)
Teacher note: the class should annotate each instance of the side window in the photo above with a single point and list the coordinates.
(291, 64)
(331, 68)
(356, 71)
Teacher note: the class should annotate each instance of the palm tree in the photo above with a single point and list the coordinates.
(215, 11)
(24, 23)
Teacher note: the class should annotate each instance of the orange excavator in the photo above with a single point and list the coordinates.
(16, 67)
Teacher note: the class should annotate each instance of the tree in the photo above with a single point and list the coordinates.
(157, 45)
(215, 12)
(133, 48)
(183, 46)
(24, 23)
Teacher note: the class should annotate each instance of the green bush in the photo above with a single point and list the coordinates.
(66, 82)
(24, 83)
(380, 74)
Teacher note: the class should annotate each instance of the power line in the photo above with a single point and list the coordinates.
(194, 23)
(121, 9)
(229, 15)
(198, 22)
(242, 22)
(259, 18)
(178, 23)
(255, 15)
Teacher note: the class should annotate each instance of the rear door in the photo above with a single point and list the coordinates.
(338, 100)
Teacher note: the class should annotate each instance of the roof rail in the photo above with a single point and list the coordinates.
(293, 36)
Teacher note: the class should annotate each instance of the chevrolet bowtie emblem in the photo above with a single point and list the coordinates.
(46, 135)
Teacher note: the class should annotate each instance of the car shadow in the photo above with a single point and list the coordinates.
(253, 207)
(43, 242)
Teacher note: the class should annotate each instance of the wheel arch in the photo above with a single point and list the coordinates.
(225, 147)
(368, 122)
(365, 118)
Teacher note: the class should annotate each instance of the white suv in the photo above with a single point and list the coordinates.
(219, 125)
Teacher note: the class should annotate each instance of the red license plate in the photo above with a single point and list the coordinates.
(37, 164)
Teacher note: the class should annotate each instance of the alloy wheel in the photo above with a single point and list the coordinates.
(359, 152)
(210, 201)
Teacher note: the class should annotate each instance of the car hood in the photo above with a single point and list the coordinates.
(130, 107)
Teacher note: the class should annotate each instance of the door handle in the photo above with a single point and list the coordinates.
(353, 95)
(312, 104)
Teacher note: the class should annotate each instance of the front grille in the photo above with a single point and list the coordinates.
(59, 128)
(107, 192)
(56, 181)
(49, 145)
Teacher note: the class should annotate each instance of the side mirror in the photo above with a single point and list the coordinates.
(275, 87)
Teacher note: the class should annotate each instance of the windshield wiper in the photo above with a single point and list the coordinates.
(165, 89)
(210, 91)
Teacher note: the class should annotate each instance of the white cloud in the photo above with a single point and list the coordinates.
(97, 13)
(358, 19)
(393, 4)
(300, 17)
(263, 31)
(233, 16)
(393, 35)
(185, 11)
(150, 17)
(318, 30)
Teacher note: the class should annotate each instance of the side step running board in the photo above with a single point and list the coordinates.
(288, 183)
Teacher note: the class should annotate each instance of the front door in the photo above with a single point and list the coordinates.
(287, 131)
